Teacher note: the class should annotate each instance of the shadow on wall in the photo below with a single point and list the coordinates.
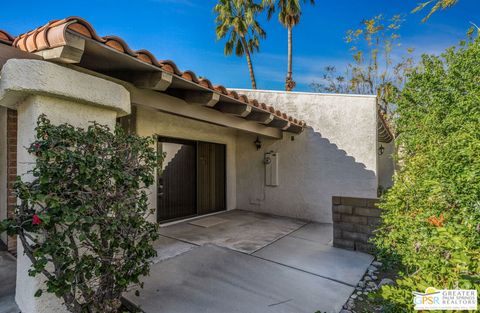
(311, 170)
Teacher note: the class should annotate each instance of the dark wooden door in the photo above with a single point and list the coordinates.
(191, 179)
(211, 177)
(177, 180)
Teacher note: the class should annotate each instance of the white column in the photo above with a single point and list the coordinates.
(64, 95)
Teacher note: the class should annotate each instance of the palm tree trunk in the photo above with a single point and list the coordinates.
(249, 62)
(289, 83)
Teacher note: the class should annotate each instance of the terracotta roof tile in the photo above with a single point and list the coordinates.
(386, 125)
(221, 89)
(243, 98)
(6, 37)
(191, 76)
(205, 83)
(233, 94)
(53, 34)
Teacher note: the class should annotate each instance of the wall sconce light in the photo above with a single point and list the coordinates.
(381, 150)
(258, 143)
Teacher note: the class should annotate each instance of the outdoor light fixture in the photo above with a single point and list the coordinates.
(258, 143)
(381, 150)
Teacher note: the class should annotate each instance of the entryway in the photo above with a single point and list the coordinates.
(191, 181)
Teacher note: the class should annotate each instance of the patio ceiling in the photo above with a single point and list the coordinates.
(74, 41)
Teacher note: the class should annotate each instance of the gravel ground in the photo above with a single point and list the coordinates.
(363, 299)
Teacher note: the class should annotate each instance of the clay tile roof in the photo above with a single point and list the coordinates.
(53, 34)
(221, 89)
(233, 94)
(189, 75)
(205, 83)
(6, 37)
(385, 131)
(243, 98)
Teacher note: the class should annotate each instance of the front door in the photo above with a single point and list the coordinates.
(191, 180)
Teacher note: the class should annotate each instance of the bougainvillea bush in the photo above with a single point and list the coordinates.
(81, 219)
(431, 216)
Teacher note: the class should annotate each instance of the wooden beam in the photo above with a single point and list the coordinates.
(172, 105)
(71, 52)
(295, 129)
(239, 109)
(279, 123)
(159, 81)
(260, 117)
(208, 99)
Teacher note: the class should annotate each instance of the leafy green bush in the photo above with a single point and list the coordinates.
(432, 214)
(82, 218)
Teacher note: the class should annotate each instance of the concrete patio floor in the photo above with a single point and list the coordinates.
(251, 263)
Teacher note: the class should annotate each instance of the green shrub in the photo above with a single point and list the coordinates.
(431, 216)
(81, 220)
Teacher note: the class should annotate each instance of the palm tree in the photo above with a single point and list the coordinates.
(236, 19)
(439, 5)
(289, 16)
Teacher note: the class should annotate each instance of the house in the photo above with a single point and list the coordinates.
(265, 151)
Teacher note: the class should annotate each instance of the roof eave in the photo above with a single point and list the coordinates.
(74, 41)
(108, 61)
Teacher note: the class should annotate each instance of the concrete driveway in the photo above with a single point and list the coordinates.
(243, 262)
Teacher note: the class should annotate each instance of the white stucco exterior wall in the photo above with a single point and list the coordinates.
(65, 96)
(335, 156)
(3, 168)
(58, 111)
(386, 165)
(150, 122)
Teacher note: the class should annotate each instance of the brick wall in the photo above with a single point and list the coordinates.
(354, 220)
(11, 171)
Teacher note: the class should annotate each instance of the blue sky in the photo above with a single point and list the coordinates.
(183, 31)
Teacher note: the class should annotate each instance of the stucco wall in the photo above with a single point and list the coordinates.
(386, 165)
(65, 96)
(58, 111)
(150, 122)
(3, 168)
(335, 156)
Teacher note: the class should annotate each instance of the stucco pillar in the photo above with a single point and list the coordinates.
(64, 95)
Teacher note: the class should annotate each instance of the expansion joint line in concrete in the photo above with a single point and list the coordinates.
(279, 238)
(298, 269)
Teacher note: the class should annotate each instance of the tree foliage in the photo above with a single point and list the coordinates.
(431, 216)
(237, 21)
(289, 13)
(81, 220)
(437, 5)
(374, 70)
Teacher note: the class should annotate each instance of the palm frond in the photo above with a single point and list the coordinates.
(439, 5)
(238, 19)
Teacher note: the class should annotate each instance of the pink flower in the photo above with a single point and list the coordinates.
(36, 220)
